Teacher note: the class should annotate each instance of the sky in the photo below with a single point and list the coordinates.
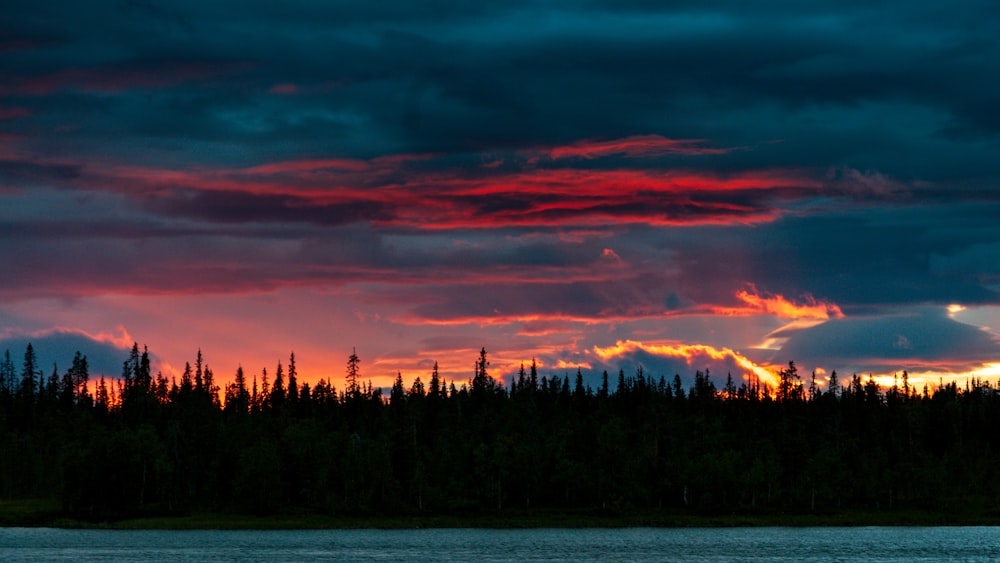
(596, 185)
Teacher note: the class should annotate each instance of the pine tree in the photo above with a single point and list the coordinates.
(417, 389)
(293, 383)
(81, 379)
(578, 389)
(481, 381)
(788, 382)
(278, 388)
(67, 388)
(130, 369)
(145, 373)
(102, 401)
(398, 394)
(208, 379)
(199, 383)
(29, 375)
(187, 382)
(6, 375)
(353, 372)
(52, 386)
(434, 388)
(237, 395)
(730, 386)
(265, 389)
(254, 397)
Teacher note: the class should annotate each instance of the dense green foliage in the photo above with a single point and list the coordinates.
(638, 443)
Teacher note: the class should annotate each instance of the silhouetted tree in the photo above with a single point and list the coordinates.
(353, 372)
(278, 389)
(29, 375)
(7, 375)
(788, 383)
(647, 446)
(482, 383)
(293, 382)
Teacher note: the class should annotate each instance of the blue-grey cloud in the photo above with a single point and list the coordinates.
(56, 348)
(917, 339)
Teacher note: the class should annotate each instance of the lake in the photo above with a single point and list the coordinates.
(908, 544)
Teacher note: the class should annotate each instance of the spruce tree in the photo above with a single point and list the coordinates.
(353, 371)
(29, 375)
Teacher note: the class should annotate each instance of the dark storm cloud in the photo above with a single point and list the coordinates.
(450, 76)
(447, 156)
(128, 76)
(242, 207)
(863, 259)
(27, 170)
(492, 299)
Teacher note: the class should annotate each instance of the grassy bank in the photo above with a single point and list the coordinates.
(46, 513)
(228, 521)
(28, 512)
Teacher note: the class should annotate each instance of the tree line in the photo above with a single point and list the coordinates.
(142, 443)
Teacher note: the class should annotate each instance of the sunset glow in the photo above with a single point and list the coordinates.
(695, 355)
(779, 306)
(658, 191)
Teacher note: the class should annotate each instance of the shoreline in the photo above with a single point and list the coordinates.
(34, 513)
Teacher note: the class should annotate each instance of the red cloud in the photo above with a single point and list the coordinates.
(115, 79)
(14, 113)
(635, 146)
(303, 166)
(428, 191)
(284, 88)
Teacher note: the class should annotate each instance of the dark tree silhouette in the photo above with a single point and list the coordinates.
(139, 444)
(353, 372)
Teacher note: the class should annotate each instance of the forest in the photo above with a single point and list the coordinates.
(143, 444)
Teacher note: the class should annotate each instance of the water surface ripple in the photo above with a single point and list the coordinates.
(910, 544)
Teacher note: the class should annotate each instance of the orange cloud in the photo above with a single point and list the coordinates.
(779, 306)
(611, 255)
(690, 353)
(563, 364)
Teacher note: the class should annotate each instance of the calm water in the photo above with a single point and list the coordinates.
(634, 544)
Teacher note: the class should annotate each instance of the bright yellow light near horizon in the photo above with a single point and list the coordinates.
(955, 308)
(989, 372)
